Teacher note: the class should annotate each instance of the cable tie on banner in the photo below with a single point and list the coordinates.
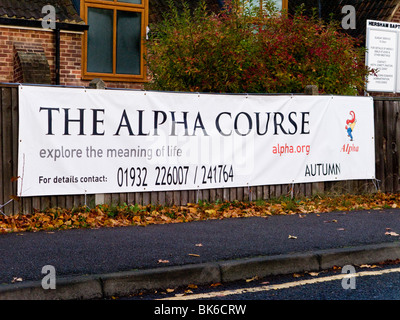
(376, 183)
(292, 191)
(86, 206)
(249, 191)
(23, 173)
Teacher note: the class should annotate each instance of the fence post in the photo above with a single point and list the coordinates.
(317, 187)
(311, 90)
(98, 84)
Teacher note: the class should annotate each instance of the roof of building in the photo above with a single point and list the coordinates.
(32, 10)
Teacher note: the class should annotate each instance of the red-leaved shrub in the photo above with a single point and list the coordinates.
(255, 52)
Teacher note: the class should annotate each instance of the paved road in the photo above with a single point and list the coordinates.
(376, 283)
(289, 295)
(85, 252)
(372, 282)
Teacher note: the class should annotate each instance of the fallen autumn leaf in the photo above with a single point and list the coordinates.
(142, 215)
(163, 261)
(252, 279)
(368, 266)
(391, 233)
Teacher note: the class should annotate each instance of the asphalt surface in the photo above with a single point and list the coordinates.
(86, 252)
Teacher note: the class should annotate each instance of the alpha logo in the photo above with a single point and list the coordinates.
(350, 125)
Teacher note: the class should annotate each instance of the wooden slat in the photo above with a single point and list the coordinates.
(169, 198)
(146, 198)
(233, 194)
(130, 198)
(379, 141)
(69, 202)
(225, 194)
(14, 122)
(387, 118)
(7, 138)
(139, 198)
(154, 197)
(395, 142)
(161, 198)
(259, 193)
(36, 203)
(184, 197)
(265, 192)
(2, 155)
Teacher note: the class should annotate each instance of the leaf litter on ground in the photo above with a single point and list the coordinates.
(142, 215)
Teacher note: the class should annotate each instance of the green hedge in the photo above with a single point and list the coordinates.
(251, 51)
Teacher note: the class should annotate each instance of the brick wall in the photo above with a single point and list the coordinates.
(10, 37)
(18, 75)
(30, 63)
(70, 59)
(14, 40)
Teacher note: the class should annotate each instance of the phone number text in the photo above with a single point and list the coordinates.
(174, 175)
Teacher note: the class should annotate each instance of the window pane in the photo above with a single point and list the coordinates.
(128, 42)
(278, 4)
(100, 41)
(131, 1)
(256, 3)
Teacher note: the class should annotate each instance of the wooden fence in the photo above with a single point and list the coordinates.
(387, 137)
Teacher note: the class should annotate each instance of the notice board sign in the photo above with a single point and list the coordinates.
(383, 56)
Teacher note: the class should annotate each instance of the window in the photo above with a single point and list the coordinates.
(281, 4)
(114, 44)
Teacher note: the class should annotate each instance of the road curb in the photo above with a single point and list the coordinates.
(359, 255)
(123, 283)
(268, 266)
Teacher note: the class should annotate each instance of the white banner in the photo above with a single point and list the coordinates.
(76, 141)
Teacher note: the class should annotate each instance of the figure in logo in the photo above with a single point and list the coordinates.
(351, 123)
